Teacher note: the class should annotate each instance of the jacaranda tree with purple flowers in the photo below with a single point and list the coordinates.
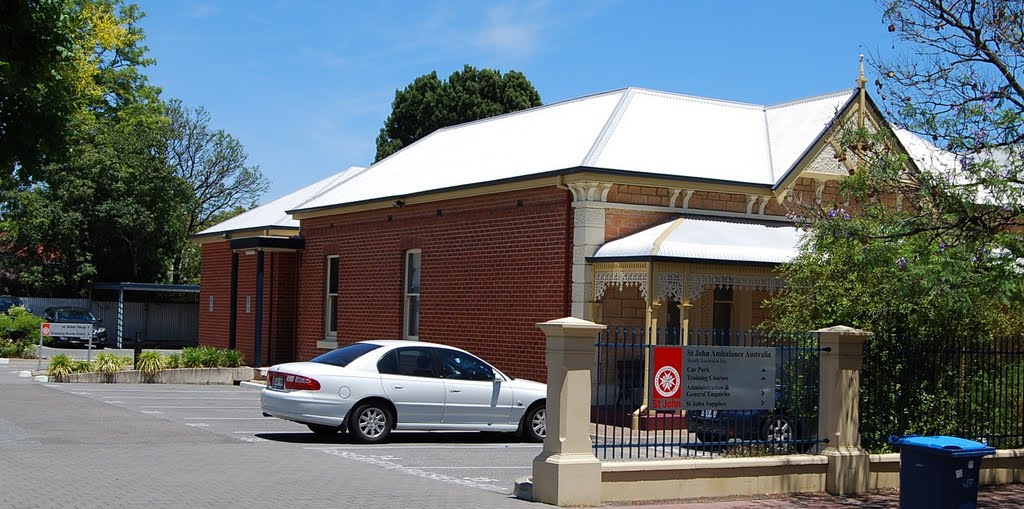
(927, 244)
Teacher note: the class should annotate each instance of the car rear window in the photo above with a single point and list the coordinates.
(344, 355)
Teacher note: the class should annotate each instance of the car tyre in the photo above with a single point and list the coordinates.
(371, 423)
(322, 431)
(708, 436)
(535, 424)
(779, 431)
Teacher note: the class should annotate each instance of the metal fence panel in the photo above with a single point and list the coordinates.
(169, 323)
(968, 387)
(625, 429)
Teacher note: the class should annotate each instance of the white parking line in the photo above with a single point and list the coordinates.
(186, 399)
(265, 431)
(203, 407)
(385, 462)
(223, 418)
(159, 391)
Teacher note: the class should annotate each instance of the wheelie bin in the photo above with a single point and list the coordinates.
(939, 472)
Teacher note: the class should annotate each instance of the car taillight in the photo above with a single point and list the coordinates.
(301, 383)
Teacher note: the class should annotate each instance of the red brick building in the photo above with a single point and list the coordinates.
(632, 207)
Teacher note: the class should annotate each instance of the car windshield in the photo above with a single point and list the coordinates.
(344, 355)
(74, 314)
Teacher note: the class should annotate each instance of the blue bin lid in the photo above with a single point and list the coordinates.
(942, 443)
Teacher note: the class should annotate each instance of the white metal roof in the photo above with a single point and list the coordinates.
(634, 130)
(273, 214)
(708, 240)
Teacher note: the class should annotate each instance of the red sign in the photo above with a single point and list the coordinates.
(46, 329)
(667, 379)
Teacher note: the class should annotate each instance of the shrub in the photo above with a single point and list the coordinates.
(151, 364)
(20, 349)
(82, 367)
(61, 366)
(191, 357)
(174, 361)
(108, 364)
(232, 358)
(210, 356)
(18, 324)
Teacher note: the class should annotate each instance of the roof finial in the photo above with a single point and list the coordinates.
(862, 93)
(861, 81)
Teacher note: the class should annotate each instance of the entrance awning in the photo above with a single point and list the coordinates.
(707, 240)
(684, 256)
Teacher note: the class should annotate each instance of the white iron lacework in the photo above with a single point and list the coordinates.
(670, 285)
(620, 280)
(699, 281)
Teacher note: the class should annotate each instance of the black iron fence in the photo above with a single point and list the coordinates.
(966, 387)
(626, 427)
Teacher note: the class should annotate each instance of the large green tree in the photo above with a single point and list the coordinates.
(428, 104)
(215, 166)
(51, 52)
(931, 246)
(109, 206)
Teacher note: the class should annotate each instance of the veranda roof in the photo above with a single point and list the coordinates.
(706, 240)
(631, 130)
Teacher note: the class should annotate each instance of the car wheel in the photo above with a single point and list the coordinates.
(370, 423)
(322, 431)
(707, 436)
(779, 431)
(535, 424)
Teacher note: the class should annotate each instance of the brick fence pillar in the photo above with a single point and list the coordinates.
(839, 406)
(566, 473)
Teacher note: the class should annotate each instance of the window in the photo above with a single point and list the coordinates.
(341, 357)
(331, 305)
(462, 366)
(412, 294)
(722, 312)
(417, 361)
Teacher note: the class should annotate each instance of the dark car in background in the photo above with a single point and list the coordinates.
(72, 314)
(7, 302)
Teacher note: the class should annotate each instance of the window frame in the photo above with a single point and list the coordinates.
(328, 333)
(408, 295)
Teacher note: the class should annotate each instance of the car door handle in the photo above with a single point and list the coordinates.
(399, 387)
(456, 390)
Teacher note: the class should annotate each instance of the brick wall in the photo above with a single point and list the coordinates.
(279, 279)
(492, 267)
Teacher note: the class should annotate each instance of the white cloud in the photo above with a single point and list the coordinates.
(510, 31)
(203, 10)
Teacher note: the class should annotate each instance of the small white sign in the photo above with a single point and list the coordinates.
(67, 330)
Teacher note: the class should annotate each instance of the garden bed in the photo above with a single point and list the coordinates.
(200, 376)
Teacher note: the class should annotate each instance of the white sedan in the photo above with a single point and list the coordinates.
(373, 387)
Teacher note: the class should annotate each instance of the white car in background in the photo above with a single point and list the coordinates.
(373, 387)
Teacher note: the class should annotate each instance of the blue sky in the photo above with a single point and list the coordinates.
(306, 86)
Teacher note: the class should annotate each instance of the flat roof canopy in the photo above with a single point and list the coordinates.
(266, 243)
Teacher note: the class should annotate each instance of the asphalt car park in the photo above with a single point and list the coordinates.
(486, 461)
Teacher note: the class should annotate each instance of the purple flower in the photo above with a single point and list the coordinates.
(901, 263)
(979, 137)
(943, 246)
(966, 162)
